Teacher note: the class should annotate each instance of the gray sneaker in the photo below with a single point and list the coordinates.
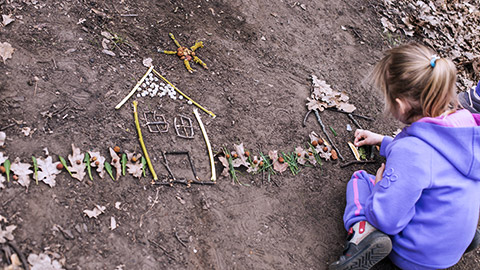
(365, 247)
(470, 100)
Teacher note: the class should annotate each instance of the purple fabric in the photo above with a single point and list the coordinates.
(428, 199)
(461, 118)
(477, 89)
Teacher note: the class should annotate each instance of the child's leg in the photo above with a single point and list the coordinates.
(470, 99)
(359, 188)
(365, 244)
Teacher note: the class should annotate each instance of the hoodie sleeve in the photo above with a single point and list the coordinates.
(385, 142)
(391, 205)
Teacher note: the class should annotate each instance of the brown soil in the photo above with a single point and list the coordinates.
(260, 56)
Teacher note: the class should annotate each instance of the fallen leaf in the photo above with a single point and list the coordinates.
(22, 171)
(7, 19)
(16, 263)
(94, 157)
(95, 212)
(43, 262)
(47, 170)
(6, 51)
(2, 158)
(301, 155)
(108, 52)
(323, 96)
(182, 201)
(147, 62)
(277, 166)
(255, 166)
(2, 180)
(134, 168)
(2, 138)
(116, 163)
(225, 164)
(7, 234)
(241, 160)
(77, 167)
(113, 223)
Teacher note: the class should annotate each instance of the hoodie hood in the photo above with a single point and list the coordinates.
(456, 137)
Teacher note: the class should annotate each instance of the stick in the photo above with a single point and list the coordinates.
(354, 114)
(209, 148)
(134, 88)
(357, 162)
(166, 165)
(142, 144)
(354, 121)
(180, 240)
(185, 96)
(305, 118)
(325, 131)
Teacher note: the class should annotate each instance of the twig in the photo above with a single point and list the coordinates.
(354, 121)
(140, 138)
(180, 240)
(162, 248)
(209, 147)
(325, 132)
(305, 118)
(354, 114)
(183, 181)
(166, 166)
(134, 89)
(189, 160)
(21, 256)
(356, 162)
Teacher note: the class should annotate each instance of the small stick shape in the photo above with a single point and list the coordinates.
(140, 138)
(134, 88)
(325, 132)
(209, 147)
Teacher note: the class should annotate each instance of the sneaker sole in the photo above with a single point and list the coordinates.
(464, 100)
(368, 257)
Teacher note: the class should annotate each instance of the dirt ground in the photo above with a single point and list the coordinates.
(260, 56)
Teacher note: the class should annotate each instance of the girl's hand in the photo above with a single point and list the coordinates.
(379, 174)
(366, 137)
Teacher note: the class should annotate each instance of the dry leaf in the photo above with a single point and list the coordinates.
(2, 138)
(134, 168)
(323, 96)
(277, 166)
(7, 234)
(47, 170)
(225, 164)
(2, 158)
(6, 51)
(22, 171)
(7, 19)
(113, 223)
(255, 166)
(2, 180)
(116, 163)
(94, 157)
(16, 263)
(301, 153)
(78, 166)
(241, 160)
(43, 262)
(95, 212)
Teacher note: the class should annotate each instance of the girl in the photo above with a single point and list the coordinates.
(422, 207)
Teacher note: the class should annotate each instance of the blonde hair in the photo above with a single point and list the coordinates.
(409, 73)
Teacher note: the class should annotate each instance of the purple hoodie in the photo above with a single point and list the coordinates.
(429, 197)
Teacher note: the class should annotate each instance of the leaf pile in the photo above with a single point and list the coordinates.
(449, 27)
(323, 96)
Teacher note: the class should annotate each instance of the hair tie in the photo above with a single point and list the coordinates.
(433, 60)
